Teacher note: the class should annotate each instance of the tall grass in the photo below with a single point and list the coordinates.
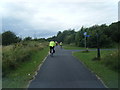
(111, 61)
(14, 55)
(20, 77)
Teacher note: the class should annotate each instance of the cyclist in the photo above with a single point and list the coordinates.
(52, 45)
(56, 43)
(61, 44)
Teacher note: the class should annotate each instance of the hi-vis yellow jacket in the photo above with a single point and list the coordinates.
(60, 43)
(52, 43)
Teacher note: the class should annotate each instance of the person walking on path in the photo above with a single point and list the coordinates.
(52, 46)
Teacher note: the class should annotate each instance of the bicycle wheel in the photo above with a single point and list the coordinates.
(51, 54)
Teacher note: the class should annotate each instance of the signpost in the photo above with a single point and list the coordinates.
(85, 33)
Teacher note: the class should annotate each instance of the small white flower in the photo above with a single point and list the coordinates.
(28, 74)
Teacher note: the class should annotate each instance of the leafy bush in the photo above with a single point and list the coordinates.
(27, 39)
(111, 61)
(9, 37)
(14, 55)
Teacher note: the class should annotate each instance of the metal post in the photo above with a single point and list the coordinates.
(85, 33)
(85, 41)
(98, 48)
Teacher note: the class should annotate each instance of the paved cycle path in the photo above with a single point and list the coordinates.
(64, 71)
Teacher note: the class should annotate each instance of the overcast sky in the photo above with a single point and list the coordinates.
(44, 18)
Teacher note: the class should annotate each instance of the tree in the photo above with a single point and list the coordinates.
(114, 27)
(60, 36)
(70, 39)
(9, 37)
(108, 35)
(27, 39)
(52, 38)
(79, 37)
(67, 36)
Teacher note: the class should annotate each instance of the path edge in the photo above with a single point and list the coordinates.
(36, 72)
(91, 71)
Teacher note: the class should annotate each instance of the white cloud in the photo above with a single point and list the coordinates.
(55, 15)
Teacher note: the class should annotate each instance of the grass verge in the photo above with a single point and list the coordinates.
(109, 77)
(72, 47)
(20, 77)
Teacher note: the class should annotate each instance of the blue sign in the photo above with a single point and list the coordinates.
(87, 35)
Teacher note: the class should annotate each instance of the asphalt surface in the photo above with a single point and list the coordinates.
(64, 71)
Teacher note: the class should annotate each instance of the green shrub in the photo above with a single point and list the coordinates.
(14, 55)
(111, 61)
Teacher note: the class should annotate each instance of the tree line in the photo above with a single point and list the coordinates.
(10, 37)
(105, 35)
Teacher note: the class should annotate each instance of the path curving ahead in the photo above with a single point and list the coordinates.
(64, 71)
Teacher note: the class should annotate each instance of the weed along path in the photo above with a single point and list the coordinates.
(64, 71)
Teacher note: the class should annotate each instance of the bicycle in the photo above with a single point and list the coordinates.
(51, 54)
(61, 46)
(52, 51)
